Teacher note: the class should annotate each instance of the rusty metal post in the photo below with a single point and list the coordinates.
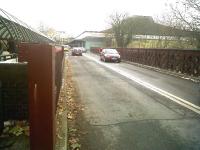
(41, 76)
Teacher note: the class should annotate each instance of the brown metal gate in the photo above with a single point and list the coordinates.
(45, 63)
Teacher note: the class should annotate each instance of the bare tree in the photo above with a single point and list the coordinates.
(188, 13)
(172, 24)
(121, 28)
(48, 31)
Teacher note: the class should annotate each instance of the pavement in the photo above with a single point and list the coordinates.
(122, 114)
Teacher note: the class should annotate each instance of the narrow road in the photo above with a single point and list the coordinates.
(124, 115)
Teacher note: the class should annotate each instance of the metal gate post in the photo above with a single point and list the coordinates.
(41, 75)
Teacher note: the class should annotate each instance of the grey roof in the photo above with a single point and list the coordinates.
(90, 34)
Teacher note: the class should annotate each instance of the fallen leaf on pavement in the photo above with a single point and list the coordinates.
(69, 116)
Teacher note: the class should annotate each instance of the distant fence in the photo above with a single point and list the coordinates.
(184, 61)
(95, 50)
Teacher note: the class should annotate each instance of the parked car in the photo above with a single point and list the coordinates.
(76, 51)
(110, 55)
(83, 49)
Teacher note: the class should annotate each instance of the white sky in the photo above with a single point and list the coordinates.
(76, 16)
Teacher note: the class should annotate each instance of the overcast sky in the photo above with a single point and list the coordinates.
(76, 16)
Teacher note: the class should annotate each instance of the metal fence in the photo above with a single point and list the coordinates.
(13, 92)
(45, 65)
(183, 61)
(31, 90)
(59, 57)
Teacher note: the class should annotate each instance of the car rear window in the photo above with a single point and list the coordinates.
(111, 51)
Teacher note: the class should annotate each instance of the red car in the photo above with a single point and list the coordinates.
(110, 55)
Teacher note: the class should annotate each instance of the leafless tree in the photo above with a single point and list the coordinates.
(188, 13)
(173, 24)
(121, 28)
(48, 31)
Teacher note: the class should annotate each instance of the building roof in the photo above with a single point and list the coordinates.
(90, 34)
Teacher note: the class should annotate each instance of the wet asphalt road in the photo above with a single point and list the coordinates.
(123, 115)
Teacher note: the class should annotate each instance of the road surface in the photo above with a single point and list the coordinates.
(125, 115)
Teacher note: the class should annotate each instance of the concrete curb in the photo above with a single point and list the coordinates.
(61, 143)
(61, 120)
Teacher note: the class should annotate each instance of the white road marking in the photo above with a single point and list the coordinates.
(170, 96)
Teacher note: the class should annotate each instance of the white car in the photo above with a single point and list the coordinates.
(82, 49)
